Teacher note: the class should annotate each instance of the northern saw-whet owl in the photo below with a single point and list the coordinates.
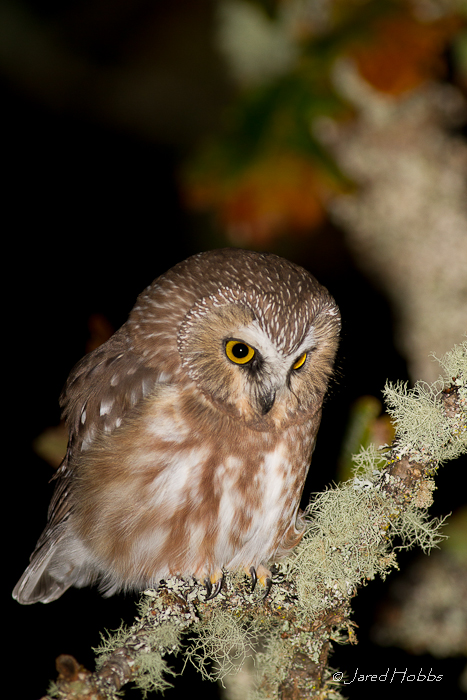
(191, 430)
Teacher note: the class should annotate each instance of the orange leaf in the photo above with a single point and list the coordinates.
(404, 52)
(279, 193)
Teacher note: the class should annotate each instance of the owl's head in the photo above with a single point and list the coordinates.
(259, 341)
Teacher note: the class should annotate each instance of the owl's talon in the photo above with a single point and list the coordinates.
(263, 575)
(254, 578)
(268, 586)
(208, 586)
(211, 590)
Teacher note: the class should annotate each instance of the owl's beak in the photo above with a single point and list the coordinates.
(266, 401)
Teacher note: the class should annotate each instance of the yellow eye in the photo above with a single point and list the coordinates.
(299, 362)
(239, 352)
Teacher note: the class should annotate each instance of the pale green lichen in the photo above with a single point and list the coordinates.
(274, 659)
(151, 643)
(152, 673)
(345, 543)
(425, 430)
(454, 364)
(53, 690)
(415, 528)
(368, 463)
(224, 639)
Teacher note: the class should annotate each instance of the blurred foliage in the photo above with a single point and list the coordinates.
(367, 425)
(403, 52)
(267, 174)
(51, 444)
(456, 541)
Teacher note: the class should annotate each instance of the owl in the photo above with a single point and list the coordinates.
(191, 431)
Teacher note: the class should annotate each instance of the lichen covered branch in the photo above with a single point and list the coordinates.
(350, 538)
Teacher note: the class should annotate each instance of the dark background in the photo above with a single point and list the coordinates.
(91, 215)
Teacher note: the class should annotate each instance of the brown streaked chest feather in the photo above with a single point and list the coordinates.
(181, 488)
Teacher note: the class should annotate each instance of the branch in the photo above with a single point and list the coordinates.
(348, 541)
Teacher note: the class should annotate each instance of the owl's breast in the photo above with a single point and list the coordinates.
(181, 491)
(260, 486)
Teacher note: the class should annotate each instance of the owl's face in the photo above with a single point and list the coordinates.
(255, 333)
(267, 370)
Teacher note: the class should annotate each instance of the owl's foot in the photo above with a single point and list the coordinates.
(261, 574)
(213, 585)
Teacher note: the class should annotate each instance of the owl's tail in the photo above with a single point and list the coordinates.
(56, 564)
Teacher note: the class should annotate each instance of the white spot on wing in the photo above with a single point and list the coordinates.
(105, 407)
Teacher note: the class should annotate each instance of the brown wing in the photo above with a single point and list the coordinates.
(101, 390)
